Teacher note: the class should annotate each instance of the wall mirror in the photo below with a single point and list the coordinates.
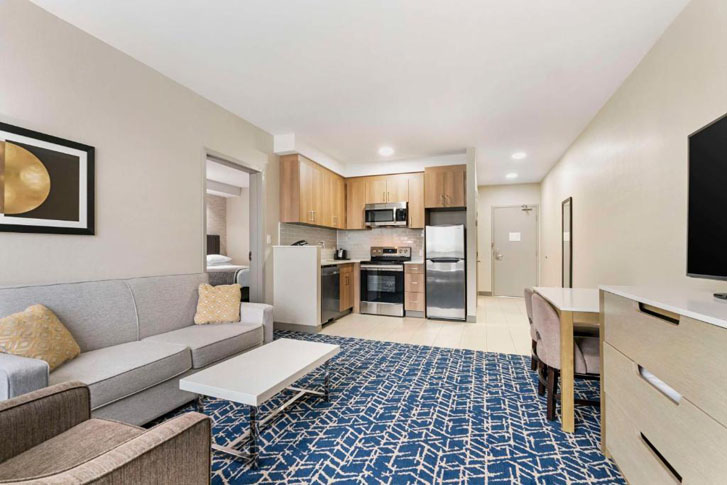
(567, 242)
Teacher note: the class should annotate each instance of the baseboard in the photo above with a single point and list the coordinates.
(293, 327)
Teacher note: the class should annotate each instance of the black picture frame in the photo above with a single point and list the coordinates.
(567, 204)
(90, 226)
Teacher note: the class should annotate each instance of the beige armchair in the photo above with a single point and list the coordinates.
(49, 437)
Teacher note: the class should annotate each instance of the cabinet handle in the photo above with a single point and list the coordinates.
(383, 196)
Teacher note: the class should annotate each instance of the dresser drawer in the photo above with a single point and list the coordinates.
(414, 282)
(414, 302)
(692, 442)
(414, 268)
(635, 458)
(689, 355)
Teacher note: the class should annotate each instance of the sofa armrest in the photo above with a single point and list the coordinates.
(258, 313)
(37, 416)
(175, 451)
(19, 375)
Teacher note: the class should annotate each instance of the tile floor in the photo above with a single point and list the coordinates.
(502, 326)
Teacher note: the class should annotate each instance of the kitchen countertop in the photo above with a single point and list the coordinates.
(331, 262)
(416, 261)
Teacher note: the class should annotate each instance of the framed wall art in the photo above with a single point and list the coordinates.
(46, 183)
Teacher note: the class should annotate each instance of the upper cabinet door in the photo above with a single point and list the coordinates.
(375, 190)
(397, 188)
(445, 186)
(355, 203)
(309, 187)
(416, 200)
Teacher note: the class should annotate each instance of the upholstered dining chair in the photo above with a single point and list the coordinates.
(528, 294)
(585, 354)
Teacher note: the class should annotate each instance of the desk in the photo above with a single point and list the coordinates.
(579, 305)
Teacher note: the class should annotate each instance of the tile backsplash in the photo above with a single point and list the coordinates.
(358, 243)
(290, 233)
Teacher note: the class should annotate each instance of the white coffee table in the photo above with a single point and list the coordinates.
(256, 376)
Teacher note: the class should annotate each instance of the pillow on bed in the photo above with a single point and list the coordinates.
(218, 304)
(217, 259)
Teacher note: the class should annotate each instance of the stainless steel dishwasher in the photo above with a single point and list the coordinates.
(331, 293)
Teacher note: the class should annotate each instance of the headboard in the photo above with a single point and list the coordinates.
(213, 244)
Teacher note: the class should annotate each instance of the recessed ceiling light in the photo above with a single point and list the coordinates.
(519, 155)
(386, 151)
(511, 175)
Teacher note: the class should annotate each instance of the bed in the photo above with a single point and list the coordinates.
(227, 274)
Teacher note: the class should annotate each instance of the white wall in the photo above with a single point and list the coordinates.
(151, 137)
(497, 196)
(238, 227)
(627, 172)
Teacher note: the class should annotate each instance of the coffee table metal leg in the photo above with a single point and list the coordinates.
(253, 436)
(200, 404)
(326, 381)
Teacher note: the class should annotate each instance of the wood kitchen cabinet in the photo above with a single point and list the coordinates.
(387, 188)
(355, 203)
(414, 294)
(310, 193)
(416, 200)
(346, 287)
(407, 187)
(445, 186)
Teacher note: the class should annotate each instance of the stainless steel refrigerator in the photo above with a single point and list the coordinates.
(445, 272)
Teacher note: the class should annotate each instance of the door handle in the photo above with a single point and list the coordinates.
(498, 255)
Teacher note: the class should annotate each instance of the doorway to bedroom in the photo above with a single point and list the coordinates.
(232, 221)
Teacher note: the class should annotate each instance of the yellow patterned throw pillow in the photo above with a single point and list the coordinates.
(37, 333)
(218, 304)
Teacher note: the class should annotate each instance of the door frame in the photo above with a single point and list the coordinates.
(257, 219)
(492, 240)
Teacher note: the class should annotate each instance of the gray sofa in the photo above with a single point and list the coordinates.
(137, 339)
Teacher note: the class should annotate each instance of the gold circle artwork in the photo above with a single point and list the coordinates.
(27, 182)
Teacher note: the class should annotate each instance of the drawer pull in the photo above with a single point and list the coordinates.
(659, 313)
(660, 385)
(668, 466)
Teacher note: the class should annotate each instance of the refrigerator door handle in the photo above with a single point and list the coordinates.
(445, 260)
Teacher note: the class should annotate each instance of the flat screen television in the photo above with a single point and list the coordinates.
(707, 223)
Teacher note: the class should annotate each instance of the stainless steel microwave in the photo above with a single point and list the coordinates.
(390, 214)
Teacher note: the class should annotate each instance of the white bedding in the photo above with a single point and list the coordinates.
(219, 268)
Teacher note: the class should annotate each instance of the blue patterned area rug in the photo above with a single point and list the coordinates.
(403, 414)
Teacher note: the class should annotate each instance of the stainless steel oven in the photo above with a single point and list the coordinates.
(391, 214)
(382, 281)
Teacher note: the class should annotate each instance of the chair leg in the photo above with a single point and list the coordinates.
(533, 358)
(551, 385)
(541, 378)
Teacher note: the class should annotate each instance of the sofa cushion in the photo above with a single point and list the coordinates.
(165, 303)
(218, 304)
(213, 342)
(69, 449)
(98, 313)
(119, 371)
(38, 334)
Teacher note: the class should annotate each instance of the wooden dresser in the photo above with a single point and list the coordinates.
(414, 295)
(664, 385)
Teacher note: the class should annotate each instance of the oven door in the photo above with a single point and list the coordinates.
(382, 289)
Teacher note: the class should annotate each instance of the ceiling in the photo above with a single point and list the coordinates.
(425, 77)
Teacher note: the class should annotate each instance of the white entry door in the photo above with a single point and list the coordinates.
(514, 249)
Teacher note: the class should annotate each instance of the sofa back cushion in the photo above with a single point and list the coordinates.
(165, 303)
(97, 313)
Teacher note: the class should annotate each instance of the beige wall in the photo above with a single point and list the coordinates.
(151, 137)
(497, 196)
(238, 227)
(627, 172)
